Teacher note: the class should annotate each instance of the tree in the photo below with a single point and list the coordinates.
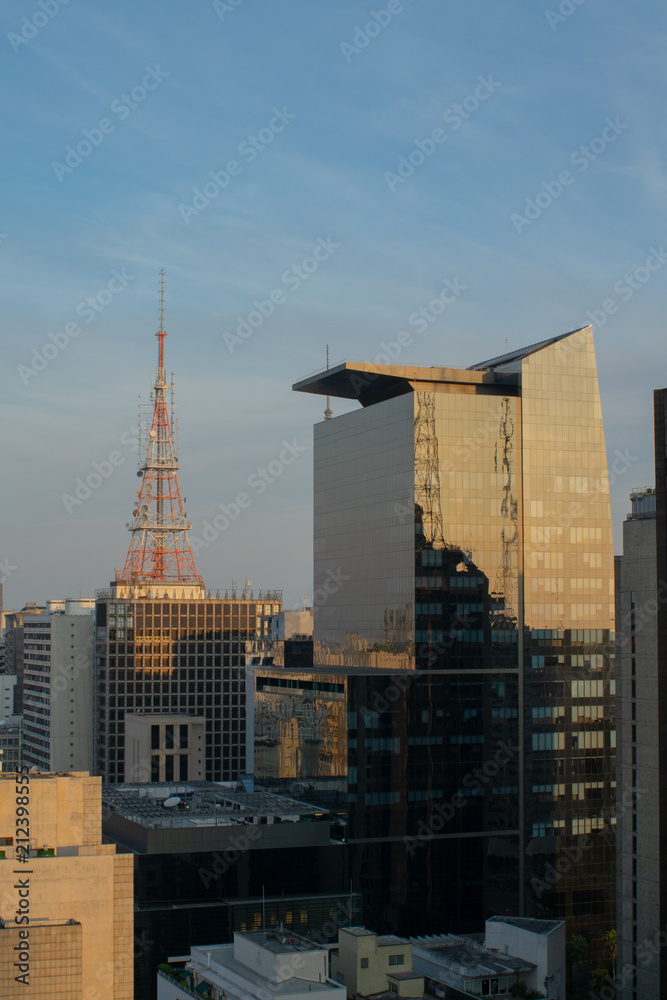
(609, 944)
(598, 978)
(576, 949)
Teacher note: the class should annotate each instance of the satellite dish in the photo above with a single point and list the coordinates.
(173, 800)
(140, 473)
(144, 508)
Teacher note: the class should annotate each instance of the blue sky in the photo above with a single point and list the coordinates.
(314, 112)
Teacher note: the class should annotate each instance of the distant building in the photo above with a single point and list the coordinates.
(10, 743)
(58, 654)
(14, 646)
(272, 965)
(220, 859)
(641, 652)
(75, 890)
(172, 649)
(7, 695)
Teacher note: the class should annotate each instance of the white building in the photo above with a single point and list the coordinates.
(58, 658)
(259, 964)
(515, 948)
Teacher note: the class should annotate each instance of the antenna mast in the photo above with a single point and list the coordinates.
(328, 414)
(159, 549)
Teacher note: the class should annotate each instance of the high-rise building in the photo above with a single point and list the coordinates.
(75, 891)
(14, 646)
(7, 695)
(58, 658)
(164, 645)
(10, 743)
(463, 535)
(638, 763)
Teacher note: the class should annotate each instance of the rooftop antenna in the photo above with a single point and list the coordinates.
(328, 412)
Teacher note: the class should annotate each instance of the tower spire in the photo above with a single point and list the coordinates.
(159, 548)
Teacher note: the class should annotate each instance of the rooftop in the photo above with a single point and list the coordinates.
(528, 924)
(463, 955)
(370, 382)
(200, 804)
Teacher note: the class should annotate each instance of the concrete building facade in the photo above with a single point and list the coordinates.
(76, 892)
(58, 655)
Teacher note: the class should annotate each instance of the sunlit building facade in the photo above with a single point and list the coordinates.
(464, 516)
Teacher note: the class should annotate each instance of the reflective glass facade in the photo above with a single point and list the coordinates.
(466, 516)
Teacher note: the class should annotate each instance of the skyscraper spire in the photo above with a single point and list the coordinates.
(159, 550)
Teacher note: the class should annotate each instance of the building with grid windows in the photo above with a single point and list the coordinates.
(58, 670)
(465, 516)
(174, 651)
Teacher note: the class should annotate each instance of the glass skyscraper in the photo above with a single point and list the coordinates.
(464, 516)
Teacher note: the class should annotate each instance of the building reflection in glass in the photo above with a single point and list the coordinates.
(466, 514)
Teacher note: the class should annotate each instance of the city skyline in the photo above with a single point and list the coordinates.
(330, 210)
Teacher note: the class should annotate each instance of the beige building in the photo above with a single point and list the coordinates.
(66, 899)
(164, 747)
(367, 964)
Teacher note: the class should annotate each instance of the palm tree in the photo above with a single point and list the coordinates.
(609, 944)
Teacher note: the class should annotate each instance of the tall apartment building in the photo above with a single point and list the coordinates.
(14, 646)
(76, 892)
(58, 675)
(463, 536)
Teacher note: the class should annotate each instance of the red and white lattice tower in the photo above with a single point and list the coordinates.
(159, 550)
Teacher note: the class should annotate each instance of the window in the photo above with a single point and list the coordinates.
(155, 766)
(155, 737)
(183, 737)
(169, 767)
(183, 767)
(364, 963)
(169, 737)
(396, 959)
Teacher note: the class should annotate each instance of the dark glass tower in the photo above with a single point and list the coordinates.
(465, 517)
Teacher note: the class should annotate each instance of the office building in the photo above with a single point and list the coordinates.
(75, 891)
(212, 859)
(463, 535)
(58, 674)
